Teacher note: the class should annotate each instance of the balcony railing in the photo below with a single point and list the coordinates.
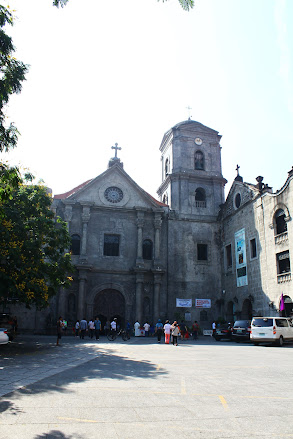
(284, 277)
(282, 237)
(200, 204)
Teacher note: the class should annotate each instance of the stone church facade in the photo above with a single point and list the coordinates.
(136, 256)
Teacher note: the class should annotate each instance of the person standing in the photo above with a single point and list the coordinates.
(146, 329)
(167, 329)
(195, 328)
(83, 328)
(98, 325)
(107, 327)
(91, 329)
(175, 332)
(59, 330)
(214, 326)
(137, 332)
(76, 328)
(183, 329)
(159, 330)
(114, 325)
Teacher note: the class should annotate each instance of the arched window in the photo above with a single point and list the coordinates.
(147, 249)
(280, 223)
(199, 160)
(75, 245)
(200, 197)
(166, 167)
(165, 199)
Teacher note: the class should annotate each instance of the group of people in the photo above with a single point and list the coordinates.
(174, 330)
(93, 328)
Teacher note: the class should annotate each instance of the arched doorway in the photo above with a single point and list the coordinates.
(109, 304)
(246, 312)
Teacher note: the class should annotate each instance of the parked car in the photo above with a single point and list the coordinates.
(224, 331)
(6, 321)
(271, 330)
(241, 330)
(4, 339)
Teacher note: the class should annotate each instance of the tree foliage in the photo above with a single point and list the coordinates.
(33, 258)
(12, 74)
(186, 4)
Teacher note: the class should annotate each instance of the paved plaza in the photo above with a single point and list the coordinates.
(141, 389)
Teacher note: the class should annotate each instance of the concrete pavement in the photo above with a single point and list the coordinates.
(203, 389)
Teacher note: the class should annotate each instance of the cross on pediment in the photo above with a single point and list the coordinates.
(116, 147)
(189, 112)
(237, 169)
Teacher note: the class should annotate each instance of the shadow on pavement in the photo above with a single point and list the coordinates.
(56, 434)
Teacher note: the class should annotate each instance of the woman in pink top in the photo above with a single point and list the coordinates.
(167, 329)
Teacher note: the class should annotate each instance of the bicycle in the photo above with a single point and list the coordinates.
(114, 334)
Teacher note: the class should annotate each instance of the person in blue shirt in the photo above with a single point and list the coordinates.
(97, 324)
(159, 330)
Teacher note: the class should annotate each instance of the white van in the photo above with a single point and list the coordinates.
(271, 330)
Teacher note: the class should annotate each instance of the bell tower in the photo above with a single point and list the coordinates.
(192, 181)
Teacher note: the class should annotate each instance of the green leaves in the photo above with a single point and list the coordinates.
(33, 264)
(12, 74)
(186, 4)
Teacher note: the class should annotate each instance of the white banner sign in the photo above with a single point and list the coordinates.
(183, 303)
(203, 303)
(240, 255)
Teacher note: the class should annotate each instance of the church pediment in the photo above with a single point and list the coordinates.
(240, 193)
(113, 188)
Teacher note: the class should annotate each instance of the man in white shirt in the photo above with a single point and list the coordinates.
(146, 329)
(114, 325)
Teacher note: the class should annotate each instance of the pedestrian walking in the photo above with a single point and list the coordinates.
(175, 332)
(159, 330)
(83, 328)
(97, 324)
(59, 330)
(76, 327)
(167, 330)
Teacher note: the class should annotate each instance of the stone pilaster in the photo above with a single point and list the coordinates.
(157, 225)
(85, 219)
(140, 224)
(138, 302)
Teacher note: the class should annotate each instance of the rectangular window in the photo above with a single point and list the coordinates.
(111, 245)
(202, 252)
(283, 262)
(252, 248)
(228, 256)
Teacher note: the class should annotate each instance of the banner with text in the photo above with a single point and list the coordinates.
(183, 303)
(240, 254)
(203, 303)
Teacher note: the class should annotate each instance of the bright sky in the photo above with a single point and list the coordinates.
(125, 70)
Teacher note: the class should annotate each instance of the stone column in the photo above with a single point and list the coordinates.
(81, 296)
(138, 297)
(85, 219)
(140, 224)
(157, 225)
(157, 290)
